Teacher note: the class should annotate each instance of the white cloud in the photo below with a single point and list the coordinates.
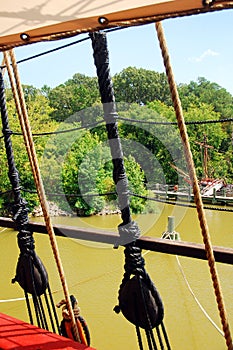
(205, 54)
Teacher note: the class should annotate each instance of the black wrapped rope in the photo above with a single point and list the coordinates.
(101, 59)
(30, 271)
(139, 300)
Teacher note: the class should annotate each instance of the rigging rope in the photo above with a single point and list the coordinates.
(193, 122)
(30, 272)
(159, 200)
(196, 190)
(91, 125)
(25, 126)
(139, 121)
(139, 300)
(196, 299)
(171, 236)
(43, 53)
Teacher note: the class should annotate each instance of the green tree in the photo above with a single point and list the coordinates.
(140, 85)
(214, 134)
(204, 91)
(79, 165)
(210, 137)
(156, 143)
(136, 181)
(87, 172)
(38, 110)
(74, 95)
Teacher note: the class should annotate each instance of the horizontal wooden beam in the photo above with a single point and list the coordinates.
(188, 249)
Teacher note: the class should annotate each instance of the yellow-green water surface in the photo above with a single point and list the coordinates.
(94, 273)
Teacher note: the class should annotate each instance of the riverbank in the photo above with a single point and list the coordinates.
(55, 211)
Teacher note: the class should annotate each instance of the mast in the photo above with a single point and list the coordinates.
(204, 155)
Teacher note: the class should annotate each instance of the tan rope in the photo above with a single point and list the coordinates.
(4, 68)
(216, 6)
(196, 189)
(28, 139)
(65, 311)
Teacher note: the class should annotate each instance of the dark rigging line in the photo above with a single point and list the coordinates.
(159, 200)
(62, 131)
(58, 48)
(140, 121)
(49, 51)
(129, 120)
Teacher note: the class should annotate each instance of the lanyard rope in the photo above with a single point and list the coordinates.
(139, 300)
(26, 130)
(196, 189)
(30, 272)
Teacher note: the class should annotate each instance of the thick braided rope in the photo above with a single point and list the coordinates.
(101, 59)
(128, 229)
(17, 103)
(26, 130)
(196, 190)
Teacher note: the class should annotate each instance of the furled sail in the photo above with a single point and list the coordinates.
(26, 21)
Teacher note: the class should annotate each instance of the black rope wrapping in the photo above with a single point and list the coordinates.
(30, 271)
(150, 312)
(101, 58)
(20, 211)
(135, 265)
(20, 216)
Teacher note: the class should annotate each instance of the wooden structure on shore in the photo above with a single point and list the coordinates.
(187, 196)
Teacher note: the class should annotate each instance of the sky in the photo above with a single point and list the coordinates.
(199, 46)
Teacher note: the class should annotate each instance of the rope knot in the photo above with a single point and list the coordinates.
(65, 312)
(110, 113)
(26, 242)
(7, 132)
(134, 262)
(128, 233)
(20, 213)
(66, 328)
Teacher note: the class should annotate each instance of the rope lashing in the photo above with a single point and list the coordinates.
(28, 139)
(28, 263)
(196, 189)
(139, 290)
(138, 298)
(66, 329)
(110, 116)
(30, 271)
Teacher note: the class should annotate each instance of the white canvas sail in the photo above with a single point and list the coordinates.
(26, 21)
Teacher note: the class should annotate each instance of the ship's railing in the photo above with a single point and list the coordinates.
(181, 248)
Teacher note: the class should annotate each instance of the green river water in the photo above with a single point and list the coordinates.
(94, 273)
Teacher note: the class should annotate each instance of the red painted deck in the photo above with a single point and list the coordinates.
(16, 334)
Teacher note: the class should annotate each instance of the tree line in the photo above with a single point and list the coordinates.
(75, 159)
